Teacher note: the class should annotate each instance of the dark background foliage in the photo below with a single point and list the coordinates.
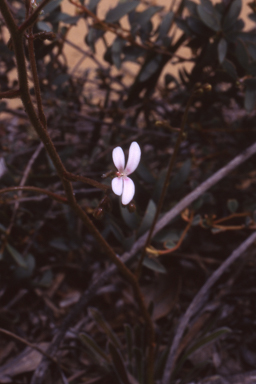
(48, 258)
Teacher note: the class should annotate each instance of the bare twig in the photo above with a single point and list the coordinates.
(8, 333)
(54, 196)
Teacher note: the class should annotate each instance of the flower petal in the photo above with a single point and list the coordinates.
(118, 158)
(128, 190)
(133, 158)
(117, 185)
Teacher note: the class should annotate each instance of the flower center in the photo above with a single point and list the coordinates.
(121, 174)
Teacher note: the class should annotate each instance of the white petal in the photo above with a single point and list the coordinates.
(133, 158)
(128, 191)
(117, 185)
(118, 158)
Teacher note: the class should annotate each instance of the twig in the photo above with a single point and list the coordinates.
(11, 94)
(198, 301)
(8, 333)
(54, 196)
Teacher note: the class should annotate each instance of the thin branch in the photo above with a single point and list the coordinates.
(71, 177)
(11, 94)
(197, 303)
(8, 333)
(32, 60)
(54, 196)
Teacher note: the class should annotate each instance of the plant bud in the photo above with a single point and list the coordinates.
(131, 207)
(99, 213)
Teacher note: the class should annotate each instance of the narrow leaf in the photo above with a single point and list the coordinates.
(148, 218)
(114, 14)
(232, 205)
(209, 15)
(222, 50)
(154, 264)
(94, 348)
(16, 256)
(231, 16)
(118, 364)
(96, 315)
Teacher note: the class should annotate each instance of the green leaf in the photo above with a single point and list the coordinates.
(114, 14)
(181, 176)
(16, 256)
(138, 354)
(250, 94)
(150, 68)
(51, 6)
(154, 265)
(229, 67)
(242, 53)
(166, 235)
(25, 273)
(200, 343)
(145, 174)
(208, 339)
(209, 15)
(60, 244)
(129, 340)
(97, 316)
(170, 79)
(197, 220)
(148, 218)
(92, 36)
(144, 17)
(66, 18)
(116, 51)
(92, 6)
(118, 364)
(232, 14)
(232, 205)
(222, 50)
(43, 26)
(130, 219)
(165, 25)
(2, 228)
(98, 354)
(46, 279)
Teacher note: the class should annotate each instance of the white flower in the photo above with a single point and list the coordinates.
(122, 184)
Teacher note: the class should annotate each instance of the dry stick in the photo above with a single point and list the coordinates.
(54, 196)
(105, 276)
(10, 94)
(197, 302)
(31, 345)
(17, 42)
